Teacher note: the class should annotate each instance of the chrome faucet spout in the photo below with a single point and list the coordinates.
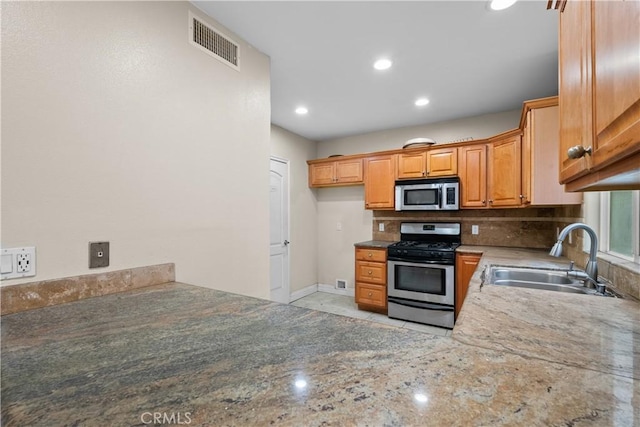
(592, 264)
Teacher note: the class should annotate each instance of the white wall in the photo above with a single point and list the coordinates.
(303, 206)
(115, 128)
(477, 127)
(346, 204)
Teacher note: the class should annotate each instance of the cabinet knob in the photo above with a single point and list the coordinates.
(424, 173)
(369, 271)
(490, 200)
(578, 151)
(370, 254)
(370, 294)
(484, 202)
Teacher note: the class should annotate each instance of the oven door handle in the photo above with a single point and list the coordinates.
(419, 304)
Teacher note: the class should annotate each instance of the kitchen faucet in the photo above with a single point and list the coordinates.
(591, 269)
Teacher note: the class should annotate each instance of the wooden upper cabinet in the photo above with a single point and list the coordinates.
(615, 37)
(379, 182)
(473, 176)
(333, 173)
(442, 162)
(575, 87)
(431, 163)
(599, 90)
(540, 186)
(504, 172)
(412, 165)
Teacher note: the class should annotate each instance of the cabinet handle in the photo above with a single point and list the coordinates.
(424, 173)
(484, 203)
(369, 271)
(578, 151)
(490, 201)
(370, 294)
(370, 254)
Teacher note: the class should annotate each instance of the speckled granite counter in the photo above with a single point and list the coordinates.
(602, 334)
(214, 358)
(373, 244)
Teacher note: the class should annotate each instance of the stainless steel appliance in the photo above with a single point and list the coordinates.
(428, 194)
(421, 273)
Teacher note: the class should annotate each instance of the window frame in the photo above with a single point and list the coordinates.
(604, 222)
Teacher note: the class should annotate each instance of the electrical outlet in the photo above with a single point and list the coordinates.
(475, 229)
(381, 226)
(23, 262)
(18, 262)
(98, 254)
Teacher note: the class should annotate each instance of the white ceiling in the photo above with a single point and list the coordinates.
(466, 59)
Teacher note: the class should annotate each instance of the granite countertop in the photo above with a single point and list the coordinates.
(215, 358)
(373, 244)
(584, 331)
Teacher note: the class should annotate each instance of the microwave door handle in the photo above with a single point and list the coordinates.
(442, 193)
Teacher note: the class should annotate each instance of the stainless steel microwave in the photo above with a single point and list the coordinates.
(428, 194)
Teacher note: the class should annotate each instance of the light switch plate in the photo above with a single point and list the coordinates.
(98, 254)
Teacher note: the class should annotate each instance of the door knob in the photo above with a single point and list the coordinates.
(578, 151)
(286, 242)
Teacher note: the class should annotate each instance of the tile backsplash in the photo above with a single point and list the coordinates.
(534, 228)
(518, 228)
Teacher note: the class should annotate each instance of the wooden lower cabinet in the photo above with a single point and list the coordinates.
(466, 264)
(371, 279)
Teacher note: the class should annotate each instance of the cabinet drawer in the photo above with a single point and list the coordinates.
(376, 255)
(369, 294)
(371, 272)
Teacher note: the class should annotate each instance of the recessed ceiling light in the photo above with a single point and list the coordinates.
(501, 4)
(382, 64)
(421, 102)
(301, 111)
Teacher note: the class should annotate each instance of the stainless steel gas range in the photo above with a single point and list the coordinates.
(421, 273)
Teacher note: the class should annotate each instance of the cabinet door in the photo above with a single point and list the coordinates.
(504, 172)
(473, 176)
(412, 165)
(322, 174)
(372, 295)
(575, 87)
(615, 35)
(348, 171)
(379, 182)
(371, 272)
(540, 185)
(375, 255)
(442, 162)
(466, 265)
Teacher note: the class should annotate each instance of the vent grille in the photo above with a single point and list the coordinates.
(214, 42)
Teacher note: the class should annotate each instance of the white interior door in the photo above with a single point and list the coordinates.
(279, 230)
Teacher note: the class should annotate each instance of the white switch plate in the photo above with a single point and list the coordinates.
(18, 262)
(381, 226)
(474, 229)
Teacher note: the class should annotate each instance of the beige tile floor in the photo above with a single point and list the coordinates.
(345, 306)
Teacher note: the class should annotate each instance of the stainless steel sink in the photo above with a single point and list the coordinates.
(508, 274)
(535, 278)
(574, 289)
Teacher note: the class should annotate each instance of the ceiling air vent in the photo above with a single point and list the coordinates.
(210, 40)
